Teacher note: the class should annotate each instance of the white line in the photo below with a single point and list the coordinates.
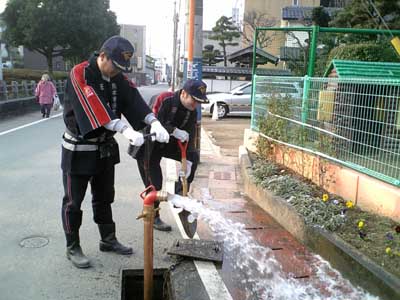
(30, 124)
(209, 275)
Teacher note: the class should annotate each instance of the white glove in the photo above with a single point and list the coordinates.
(134, 137)
(188, 168)
(181, 135)
(162, 134)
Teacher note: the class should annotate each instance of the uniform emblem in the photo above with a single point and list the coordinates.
(88, 91)
(203, 90)
(127, 55)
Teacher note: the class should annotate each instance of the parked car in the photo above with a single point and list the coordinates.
(238, 100)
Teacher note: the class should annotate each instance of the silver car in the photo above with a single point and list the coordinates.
(238, 100)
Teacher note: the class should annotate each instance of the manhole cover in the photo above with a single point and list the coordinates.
(34, 242)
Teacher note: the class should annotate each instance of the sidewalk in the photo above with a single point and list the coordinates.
(219, 176)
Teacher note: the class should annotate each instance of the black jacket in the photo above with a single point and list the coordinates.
(90, 102)
(183, 119)
(172, 114)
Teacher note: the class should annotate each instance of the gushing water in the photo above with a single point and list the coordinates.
(255, 266)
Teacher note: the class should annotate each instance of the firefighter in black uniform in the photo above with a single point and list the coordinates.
(178, 115)
(96, 95)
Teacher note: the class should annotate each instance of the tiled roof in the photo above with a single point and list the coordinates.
(249, 52)
(297, 13)
(364, 69)
(303, 12)
(244, 71)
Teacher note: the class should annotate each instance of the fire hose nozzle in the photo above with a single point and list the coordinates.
(162, 196)
(150, 195)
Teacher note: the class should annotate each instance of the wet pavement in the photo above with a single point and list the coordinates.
(218, 179)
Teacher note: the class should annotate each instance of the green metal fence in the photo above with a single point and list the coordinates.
(355, 122)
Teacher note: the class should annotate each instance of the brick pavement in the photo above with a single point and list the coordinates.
(219, 175)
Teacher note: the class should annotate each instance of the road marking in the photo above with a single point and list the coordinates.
(29, 124)
(212, 281)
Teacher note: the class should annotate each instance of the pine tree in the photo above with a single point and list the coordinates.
(225, 31)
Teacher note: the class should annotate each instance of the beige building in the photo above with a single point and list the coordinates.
(273, 11)
(274, 7)
(136, 34)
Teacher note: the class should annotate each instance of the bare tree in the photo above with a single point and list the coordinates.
(251, 21)
(298, 63)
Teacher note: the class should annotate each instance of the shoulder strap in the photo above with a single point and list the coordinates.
(156, 104)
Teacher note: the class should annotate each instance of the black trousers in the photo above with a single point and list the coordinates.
(45, 109)
(75, 186)
(151, 172)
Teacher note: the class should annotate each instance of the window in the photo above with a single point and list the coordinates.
(295, 2)
(247, 90)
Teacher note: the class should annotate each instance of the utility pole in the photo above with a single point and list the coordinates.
(177, 60)
(174, 63)
(194, 44)
(1, 61)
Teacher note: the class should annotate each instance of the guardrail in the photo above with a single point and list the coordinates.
(16, 90)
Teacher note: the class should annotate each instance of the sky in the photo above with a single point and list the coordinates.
(157, 16)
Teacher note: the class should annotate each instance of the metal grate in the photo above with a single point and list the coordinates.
(353, 121)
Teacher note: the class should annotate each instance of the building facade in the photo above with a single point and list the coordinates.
(136, 34)
(287, 13)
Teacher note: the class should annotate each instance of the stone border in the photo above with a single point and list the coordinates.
(354, 265)
(18, 106)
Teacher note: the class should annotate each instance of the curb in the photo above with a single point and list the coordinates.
(211, 142)
(18, 106)
(353, 265)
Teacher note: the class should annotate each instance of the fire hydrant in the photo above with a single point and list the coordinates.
(149, 196)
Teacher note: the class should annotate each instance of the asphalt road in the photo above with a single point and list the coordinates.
(30, 207)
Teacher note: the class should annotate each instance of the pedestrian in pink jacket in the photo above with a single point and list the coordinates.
(45, 91)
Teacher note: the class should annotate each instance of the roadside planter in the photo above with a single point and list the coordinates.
(353, 264)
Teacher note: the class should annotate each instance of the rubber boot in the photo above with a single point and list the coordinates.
(74, 252)
(109, 242)
(159, 224)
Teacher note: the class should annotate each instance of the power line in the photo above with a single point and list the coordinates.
(380, 16)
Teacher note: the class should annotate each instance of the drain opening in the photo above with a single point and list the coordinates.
(301, 276)
(254, 228)
(132, 284)
(276, 248)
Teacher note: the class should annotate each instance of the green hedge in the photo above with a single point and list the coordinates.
(28, 74)
(364, 52)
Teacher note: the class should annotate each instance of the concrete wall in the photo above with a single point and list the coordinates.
(136, 34)
(217, 85)
(369, 193)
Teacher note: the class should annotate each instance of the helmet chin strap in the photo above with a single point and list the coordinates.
(190, 106)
